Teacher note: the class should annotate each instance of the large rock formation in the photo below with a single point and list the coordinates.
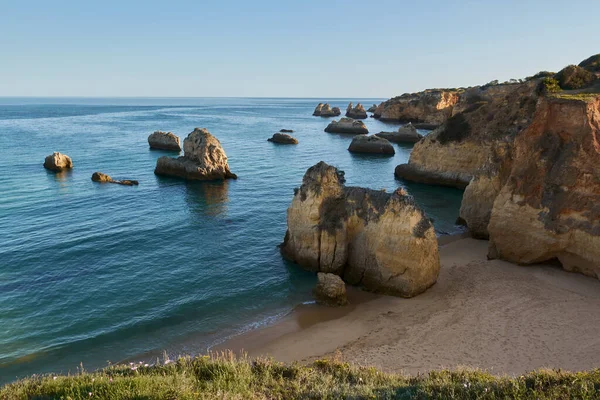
(452, 154)
(381, 241)
(549, 205)
(203, 159)
(58, 162)
(103, 178)
(347, 125)
(325, 110)
(432, 106)
(371, 145)
(164, 141)
(405, 134)
(372, 108)
(357, 112)
(330, 290)
(283, 138)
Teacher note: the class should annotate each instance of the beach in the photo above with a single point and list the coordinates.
(485, 314)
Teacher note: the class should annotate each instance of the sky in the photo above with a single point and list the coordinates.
(301, 48)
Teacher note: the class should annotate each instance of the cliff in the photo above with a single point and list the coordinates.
(430, 106)
(381, 241)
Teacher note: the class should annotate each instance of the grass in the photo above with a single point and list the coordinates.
(226, 377)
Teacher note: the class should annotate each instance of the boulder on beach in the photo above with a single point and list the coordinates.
(347, 125)
(164, 141)
(283, 138)
(330, 290)
(371, 145)
(357, 112)
(405, 134)
(58, 162)
(203, 159)
(103, 178)
(380, 241)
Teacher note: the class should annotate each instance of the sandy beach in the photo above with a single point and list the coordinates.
(492, 315)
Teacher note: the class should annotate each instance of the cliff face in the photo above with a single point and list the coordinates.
(452, 154)
(430, 106)
(549, 206)
(374, 239)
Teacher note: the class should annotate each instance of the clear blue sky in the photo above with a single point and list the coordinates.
(300, 48)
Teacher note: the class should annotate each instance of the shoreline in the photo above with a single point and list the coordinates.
(486, 314)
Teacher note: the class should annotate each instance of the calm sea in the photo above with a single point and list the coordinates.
(91, 273)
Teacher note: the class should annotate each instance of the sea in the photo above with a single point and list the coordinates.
(92, 274)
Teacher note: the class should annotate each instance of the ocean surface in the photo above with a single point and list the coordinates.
(92, 273)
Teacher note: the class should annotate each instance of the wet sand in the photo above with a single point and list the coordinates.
(492, 315)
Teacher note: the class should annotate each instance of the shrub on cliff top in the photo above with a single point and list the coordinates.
(575, 77)
(229, 377)
(591, 64)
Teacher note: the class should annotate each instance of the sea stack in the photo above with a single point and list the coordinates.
(405, 134)
(357, 112)
(58, 162)
(325, 110)
(203, 159)
(164, 141)
(380, 241)
(371, 145)
(347, 125)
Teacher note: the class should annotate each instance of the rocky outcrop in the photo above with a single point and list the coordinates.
(164, 141)
(347, 125)
(103, 178)
(325, 110)
(58, 162)
(405, 134)
(283, 138)
(372, 108)
(357, 112)
(330, 290)
(203, 159)
(452, 154)
(549, 204)
(381, 241)
(431, 106)
(371, 145)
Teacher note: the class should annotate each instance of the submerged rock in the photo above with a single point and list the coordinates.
(103, 178)
(381, 241)
(164, 141)
(347, 125)
(330, 290)
(371, 145)
(405, 134)
(283, 138)
(58, 162)
(357, 112)
(286, 130)
(203, 159)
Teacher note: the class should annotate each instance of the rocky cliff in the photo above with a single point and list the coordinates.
(381, 241)
(431, 106)
(549, 205)
(452, 154)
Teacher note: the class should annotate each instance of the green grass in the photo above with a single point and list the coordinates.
(576, 96)
(228, 377)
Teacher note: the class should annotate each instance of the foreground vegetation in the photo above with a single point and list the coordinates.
(226, 376)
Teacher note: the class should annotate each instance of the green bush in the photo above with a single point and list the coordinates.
(575, 77)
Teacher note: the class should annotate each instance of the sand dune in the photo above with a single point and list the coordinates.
(486, 314)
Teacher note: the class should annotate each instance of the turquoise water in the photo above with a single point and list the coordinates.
(90, 272)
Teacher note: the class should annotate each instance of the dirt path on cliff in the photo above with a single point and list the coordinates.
(485, 314)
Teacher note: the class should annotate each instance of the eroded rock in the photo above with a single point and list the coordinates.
(381, 241)
(325, 110)
(58, 162)
(283, 138)
(405, 134)
(357, 112)
(371, 145)
(164, 141)
(330, 290)
(203, 159)
(347, 125)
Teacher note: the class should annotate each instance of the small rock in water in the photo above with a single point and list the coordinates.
(283, 138)
(103, 178)
(58, 162)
